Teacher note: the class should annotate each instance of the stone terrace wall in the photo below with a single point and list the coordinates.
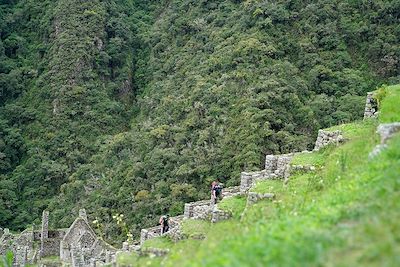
(220, 215)
(371, 106)
(149, 233)
(153, 232)
(200, 210)
(230, 191)
(6, 241)
(325, 138)
(247, 179)
(276, 167)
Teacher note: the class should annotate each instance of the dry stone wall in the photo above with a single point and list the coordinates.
(149, 233)
(76, 245)
(153, 232)
(328, 137)
(220, 215)
(199, 210)
(276, 167)
(231, 191)
(371, 106)
(247, 179)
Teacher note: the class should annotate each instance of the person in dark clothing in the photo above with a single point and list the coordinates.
(216, 191)
(164, 222)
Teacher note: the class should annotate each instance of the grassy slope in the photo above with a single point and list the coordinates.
(343, 214)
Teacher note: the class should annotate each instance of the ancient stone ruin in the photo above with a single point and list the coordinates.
(77, 245)
(325, 138)
(371, 106)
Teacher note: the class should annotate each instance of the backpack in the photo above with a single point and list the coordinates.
(218, 190)
(164, 220)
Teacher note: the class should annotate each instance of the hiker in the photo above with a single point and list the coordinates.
(216, 191)
(164, 222)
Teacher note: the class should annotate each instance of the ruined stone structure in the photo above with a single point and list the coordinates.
(219, 215)
(276, 167)
(371, 106)
(198, 210)
(326, 138)
(153, 232)
(231, 191)
(78, 245)
(247, 179)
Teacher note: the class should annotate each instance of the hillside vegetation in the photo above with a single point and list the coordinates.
(342, 214)
(133, 108)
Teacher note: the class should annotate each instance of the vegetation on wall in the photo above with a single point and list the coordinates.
(125, 107)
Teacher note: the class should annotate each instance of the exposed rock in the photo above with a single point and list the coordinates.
(303, 168)
(377, 150)
(157, 252)
(254, 197)
(21, 256)
(149, 233)
(387, 130)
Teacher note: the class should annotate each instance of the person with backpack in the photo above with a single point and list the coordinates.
(164, 222)
(216, 191)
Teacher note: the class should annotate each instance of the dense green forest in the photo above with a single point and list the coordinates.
(130, 107)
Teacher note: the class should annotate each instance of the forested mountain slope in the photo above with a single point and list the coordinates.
(129, 108)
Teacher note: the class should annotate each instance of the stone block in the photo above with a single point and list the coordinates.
(255, 197)
(198, 210)
(387, 130)
(220, 215)
(325, 138)
(371, 106)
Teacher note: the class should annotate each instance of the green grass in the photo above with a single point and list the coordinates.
(267, 186)
(158, 242)
(343, 214)
(315, 158)
(353, 130)
(389, 110)
(132, 259)
(235, 205)
(195, 228)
